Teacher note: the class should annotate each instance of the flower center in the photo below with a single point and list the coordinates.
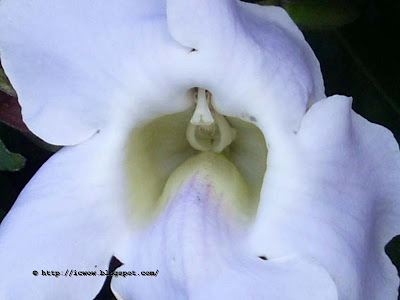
(194, 138)
(208, 130)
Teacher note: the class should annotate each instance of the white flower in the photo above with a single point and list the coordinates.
(116, 82)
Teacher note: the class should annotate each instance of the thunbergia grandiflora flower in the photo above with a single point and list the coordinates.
(199, 143)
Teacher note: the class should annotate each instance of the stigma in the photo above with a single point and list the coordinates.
(208, 130)
(202, 114)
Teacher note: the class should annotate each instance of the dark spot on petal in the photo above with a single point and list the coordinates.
(193, 50)
(253, 119)
(263, 257)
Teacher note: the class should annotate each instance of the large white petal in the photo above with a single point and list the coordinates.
(74, 63)
(69, 217)
(198, 251)
(250, 54)
(331, 193)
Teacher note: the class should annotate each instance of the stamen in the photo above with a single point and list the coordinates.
(227, 134)
(208, 130)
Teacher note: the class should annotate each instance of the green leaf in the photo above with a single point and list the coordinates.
(10, 161)
(319, 14)
(5, 84)
(267, 2)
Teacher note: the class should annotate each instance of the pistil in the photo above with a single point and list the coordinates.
(208, 130)
(202, 114)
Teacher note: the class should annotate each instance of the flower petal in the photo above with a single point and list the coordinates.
(255, 54)
(72, 71)
(75, 63)
(331, 193)
(198, 249)
(67, 218)
(285, 279)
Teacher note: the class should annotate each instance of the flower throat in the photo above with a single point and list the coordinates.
(199, 141)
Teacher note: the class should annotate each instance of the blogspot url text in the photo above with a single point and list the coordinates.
(72, 273)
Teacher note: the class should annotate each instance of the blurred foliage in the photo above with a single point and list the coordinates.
(10, 112)
(11, 183)
(10, 161)
(361, 60)
(318, 14)
(5, 84)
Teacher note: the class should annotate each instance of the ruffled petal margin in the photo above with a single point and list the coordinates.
(331, 193)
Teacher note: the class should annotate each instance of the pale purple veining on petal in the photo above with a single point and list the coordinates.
(194, 226)
(200, 252)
